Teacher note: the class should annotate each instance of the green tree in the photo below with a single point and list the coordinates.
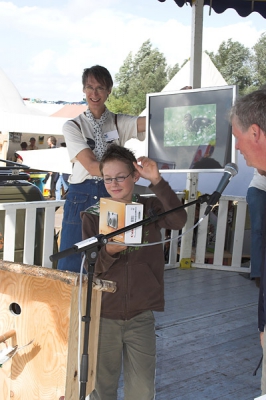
(124, 75)
(259, 61)
(118, 104)
(145, 73)
(233, 61)
(172, 71)
(149, 76)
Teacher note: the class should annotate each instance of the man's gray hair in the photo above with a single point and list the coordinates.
(250, 109)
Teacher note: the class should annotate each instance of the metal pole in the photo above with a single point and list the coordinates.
(196, 43)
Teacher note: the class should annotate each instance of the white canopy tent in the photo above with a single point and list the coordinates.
(19, 122)
(15, 116)
(210, 76)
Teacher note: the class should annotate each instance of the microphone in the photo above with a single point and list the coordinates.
(230, 170)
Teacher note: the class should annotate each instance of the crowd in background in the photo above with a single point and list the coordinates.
(55, 182)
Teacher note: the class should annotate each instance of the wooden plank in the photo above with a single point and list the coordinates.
(68, 277)
(44, 318)
(46, 311)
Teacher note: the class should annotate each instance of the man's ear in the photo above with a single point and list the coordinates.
(256, 132)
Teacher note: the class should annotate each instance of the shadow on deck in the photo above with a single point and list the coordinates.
(207, 338)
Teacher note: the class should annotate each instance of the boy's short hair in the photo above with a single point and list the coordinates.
(118, 153)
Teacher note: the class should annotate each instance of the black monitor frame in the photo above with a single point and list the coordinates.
(189, 130)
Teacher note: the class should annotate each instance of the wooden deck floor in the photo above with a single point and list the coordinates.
(207, 338)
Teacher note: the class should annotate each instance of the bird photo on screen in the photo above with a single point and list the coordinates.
(196, 124)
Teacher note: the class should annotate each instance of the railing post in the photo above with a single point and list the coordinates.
(187, 239)
(10, 233)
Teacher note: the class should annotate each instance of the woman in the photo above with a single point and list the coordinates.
(87, 137)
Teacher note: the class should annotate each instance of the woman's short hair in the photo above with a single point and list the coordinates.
(101, 74)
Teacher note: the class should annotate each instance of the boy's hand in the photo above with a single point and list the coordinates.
(148, 169)
(114, 248)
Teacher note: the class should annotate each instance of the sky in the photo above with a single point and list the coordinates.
(46, 44)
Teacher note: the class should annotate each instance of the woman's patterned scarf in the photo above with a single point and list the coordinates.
(100, 143)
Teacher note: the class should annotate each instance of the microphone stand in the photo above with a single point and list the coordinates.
(91, 248)
(91, 257)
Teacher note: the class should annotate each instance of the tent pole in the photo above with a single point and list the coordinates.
(196, 43)
(195, 82)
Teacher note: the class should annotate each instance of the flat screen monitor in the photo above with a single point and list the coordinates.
(190, 129)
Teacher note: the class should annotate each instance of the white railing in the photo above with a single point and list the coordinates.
(219, 245)
(45, 233)
(229, 234)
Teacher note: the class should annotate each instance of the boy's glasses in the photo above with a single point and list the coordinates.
(117, 179)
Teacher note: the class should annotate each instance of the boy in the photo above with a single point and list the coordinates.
(127, 328)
